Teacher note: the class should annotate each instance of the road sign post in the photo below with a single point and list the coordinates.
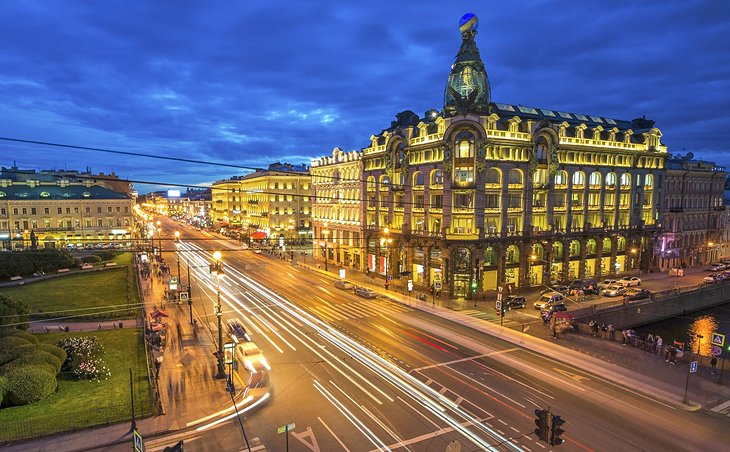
(285, 429)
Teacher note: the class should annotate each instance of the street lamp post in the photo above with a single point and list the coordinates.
(326, 233)
(230, 356)
(218, 269)
(386, 241)
(177, 246)
(689, 371)
(159, 237)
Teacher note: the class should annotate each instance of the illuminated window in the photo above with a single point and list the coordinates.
(464, 150)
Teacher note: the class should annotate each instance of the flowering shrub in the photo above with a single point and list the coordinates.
(84, 358)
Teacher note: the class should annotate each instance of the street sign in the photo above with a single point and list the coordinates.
(410, 285)
(693, 367)
(718, 339)
(437, 285)
(499, 305)
(174, 280)
(342, 273)
(183, 296)
(138, 443)
(286, 428)
(716, 351)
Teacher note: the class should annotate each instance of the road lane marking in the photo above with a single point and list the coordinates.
(574, 376)
(345, 448)
(468, 358)
(721, 406)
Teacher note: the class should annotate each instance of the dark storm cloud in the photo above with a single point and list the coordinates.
(252, 84)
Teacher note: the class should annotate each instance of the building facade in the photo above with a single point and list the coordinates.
(337, 208)
(63, 213)
(695, 217)
(481, 194)
(274, 203)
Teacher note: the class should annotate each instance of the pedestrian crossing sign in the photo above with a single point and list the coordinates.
(718, 339)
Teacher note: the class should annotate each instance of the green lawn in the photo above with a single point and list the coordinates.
(81, 404)
(123, 259)
(105, 290)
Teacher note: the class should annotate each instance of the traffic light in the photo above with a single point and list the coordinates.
(474, 285)
(541, 421)
(556, 431)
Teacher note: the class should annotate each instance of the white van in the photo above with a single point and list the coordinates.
(550, 298)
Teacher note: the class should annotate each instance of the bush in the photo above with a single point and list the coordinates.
(30, 261)
(84, 357)
(16, 352)
(8, 342)
(29, 384)
(13, 313)
(9, 332)
(58, 352)
(91, 259)
(37, 358)
(3, 388)
(106, 255)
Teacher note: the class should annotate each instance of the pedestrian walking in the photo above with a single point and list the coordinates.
(611, 331)
(658, 344)
(604, 331)
(713, 363)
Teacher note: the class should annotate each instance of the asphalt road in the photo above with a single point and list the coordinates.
(356, 374)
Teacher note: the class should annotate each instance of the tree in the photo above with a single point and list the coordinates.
(13, 313)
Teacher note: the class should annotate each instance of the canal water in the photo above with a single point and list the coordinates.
(704, 323)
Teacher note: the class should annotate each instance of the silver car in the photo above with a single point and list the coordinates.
(614, 290)
(365, 293)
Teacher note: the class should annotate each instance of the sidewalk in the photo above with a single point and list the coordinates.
(187, 386)
(626, 365)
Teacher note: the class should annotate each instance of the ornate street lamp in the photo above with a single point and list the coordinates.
(326, 233)
(386, 241)
(217, 268)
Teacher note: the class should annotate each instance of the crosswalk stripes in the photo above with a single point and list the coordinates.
(723, 408)
(478, 314)
(356, 310)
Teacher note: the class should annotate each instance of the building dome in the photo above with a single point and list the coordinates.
(468, 86)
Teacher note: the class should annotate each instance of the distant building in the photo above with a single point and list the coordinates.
(695, 217)
(110, 181)
(273, 203)
(55, 211)
(337, 209)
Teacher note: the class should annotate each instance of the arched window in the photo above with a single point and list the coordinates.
(515, 176)
(371, 183)
(561, 178)
(648, 181)
(610, 179)
(625, 180)
(437, 177)
(464, 150)
(579, 178)
(418, 179)
(595, 178)
(494, 176)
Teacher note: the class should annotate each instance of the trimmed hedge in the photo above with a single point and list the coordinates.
(38, 358)
(91, 259)
(58, 352)
(30, 261)
(3, 388)
(16, 352)
(29, 384)
(106, 255)
(18, 333)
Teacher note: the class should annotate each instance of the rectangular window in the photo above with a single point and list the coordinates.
(515, 201)
(25, 211)
(76, 210)
(109, 210)
(100, 222)
(15, 210)
(418, 201)
(2, 211)
(577, 200)
(87, 210)
(88, 222)
(47, 223)
(60, 211)
(463, 201)
(560, 199)
(32, 210)
(437, 201)
(492, 201)
(126, 209)
(46, 211)
(98, 209)
(119, 208)
(68, 210)
(464, 175)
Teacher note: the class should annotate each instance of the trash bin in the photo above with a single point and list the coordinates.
(121, 325)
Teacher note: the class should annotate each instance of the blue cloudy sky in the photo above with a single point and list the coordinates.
(251, 83)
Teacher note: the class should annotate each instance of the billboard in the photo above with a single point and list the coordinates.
(173, 193)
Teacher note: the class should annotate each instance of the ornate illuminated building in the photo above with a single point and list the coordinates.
(272, 203)
(484, 194)
(336, 209)
(695, 217)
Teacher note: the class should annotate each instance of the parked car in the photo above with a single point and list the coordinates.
(86, 266)
(237, 329)
(614, 290)
(607, 282)
(365, 293)
(555, 307)
(549, 299)
(715, 268)
(588, 286)
(628, 281)
(638, 294)
(711, 278)
(344, 285)
(514, 302)
(559, 289)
